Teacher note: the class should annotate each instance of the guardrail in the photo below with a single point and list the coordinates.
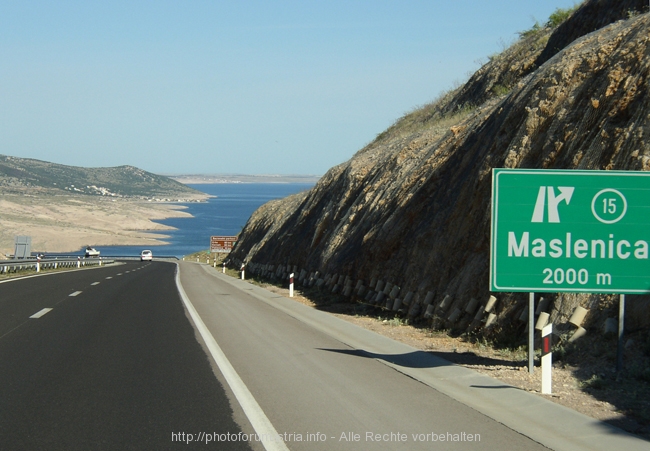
(66, 261)
(12, 266)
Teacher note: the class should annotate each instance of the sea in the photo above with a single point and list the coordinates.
(224, 214)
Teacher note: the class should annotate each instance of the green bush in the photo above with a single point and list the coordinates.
(560, 15)
(561, 351)
(595, 382)
(499, 90)
(555, 19)
(531, 31)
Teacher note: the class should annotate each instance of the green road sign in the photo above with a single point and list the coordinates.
(570, 231)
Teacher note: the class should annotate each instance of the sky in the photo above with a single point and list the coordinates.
(233, 87)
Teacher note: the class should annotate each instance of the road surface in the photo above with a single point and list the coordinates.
(140, 356)
(114, 365)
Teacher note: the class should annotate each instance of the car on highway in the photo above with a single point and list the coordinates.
(146, 255)
(91, 252)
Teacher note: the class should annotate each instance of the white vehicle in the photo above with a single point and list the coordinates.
(146, 255)
(91, 252)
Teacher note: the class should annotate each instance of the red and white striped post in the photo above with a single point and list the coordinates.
(291, 285)
(547, 359)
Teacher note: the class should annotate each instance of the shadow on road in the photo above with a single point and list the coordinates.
(415, 359)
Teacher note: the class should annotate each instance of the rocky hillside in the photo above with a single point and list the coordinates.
(412, 209)
(23, 175)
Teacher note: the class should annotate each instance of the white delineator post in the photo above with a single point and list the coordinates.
(243, 267)
(291, 285)
(547, 359)
(224, 267)
(78, 262)
(38, 264)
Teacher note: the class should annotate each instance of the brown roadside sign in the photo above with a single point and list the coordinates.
(223, 244)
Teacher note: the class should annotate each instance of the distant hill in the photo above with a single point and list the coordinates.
(24, 175)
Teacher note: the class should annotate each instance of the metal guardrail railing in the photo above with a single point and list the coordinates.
(12, 266)
(66, 261)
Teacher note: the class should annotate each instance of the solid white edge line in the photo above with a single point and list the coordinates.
(40, 313)
(252, 409)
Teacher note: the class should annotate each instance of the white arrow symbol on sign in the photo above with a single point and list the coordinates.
(553, 216)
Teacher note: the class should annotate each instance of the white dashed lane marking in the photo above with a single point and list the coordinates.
(109, 277)
(76, 293)
(40, 313)
(95, 283)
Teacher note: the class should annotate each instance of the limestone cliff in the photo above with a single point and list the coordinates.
(412, 208)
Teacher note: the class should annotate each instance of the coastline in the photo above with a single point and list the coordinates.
(69, 223)
(211, 179)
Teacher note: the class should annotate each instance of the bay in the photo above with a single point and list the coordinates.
(224, 214)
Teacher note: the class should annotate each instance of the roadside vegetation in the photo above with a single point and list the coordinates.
(559, 16)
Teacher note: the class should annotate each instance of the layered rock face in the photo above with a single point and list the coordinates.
(413, 207)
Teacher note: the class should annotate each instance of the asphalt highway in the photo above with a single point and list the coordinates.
(156, 356)
(114, 365)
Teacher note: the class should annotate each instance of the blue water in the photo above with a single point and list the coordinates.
(225, 214)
